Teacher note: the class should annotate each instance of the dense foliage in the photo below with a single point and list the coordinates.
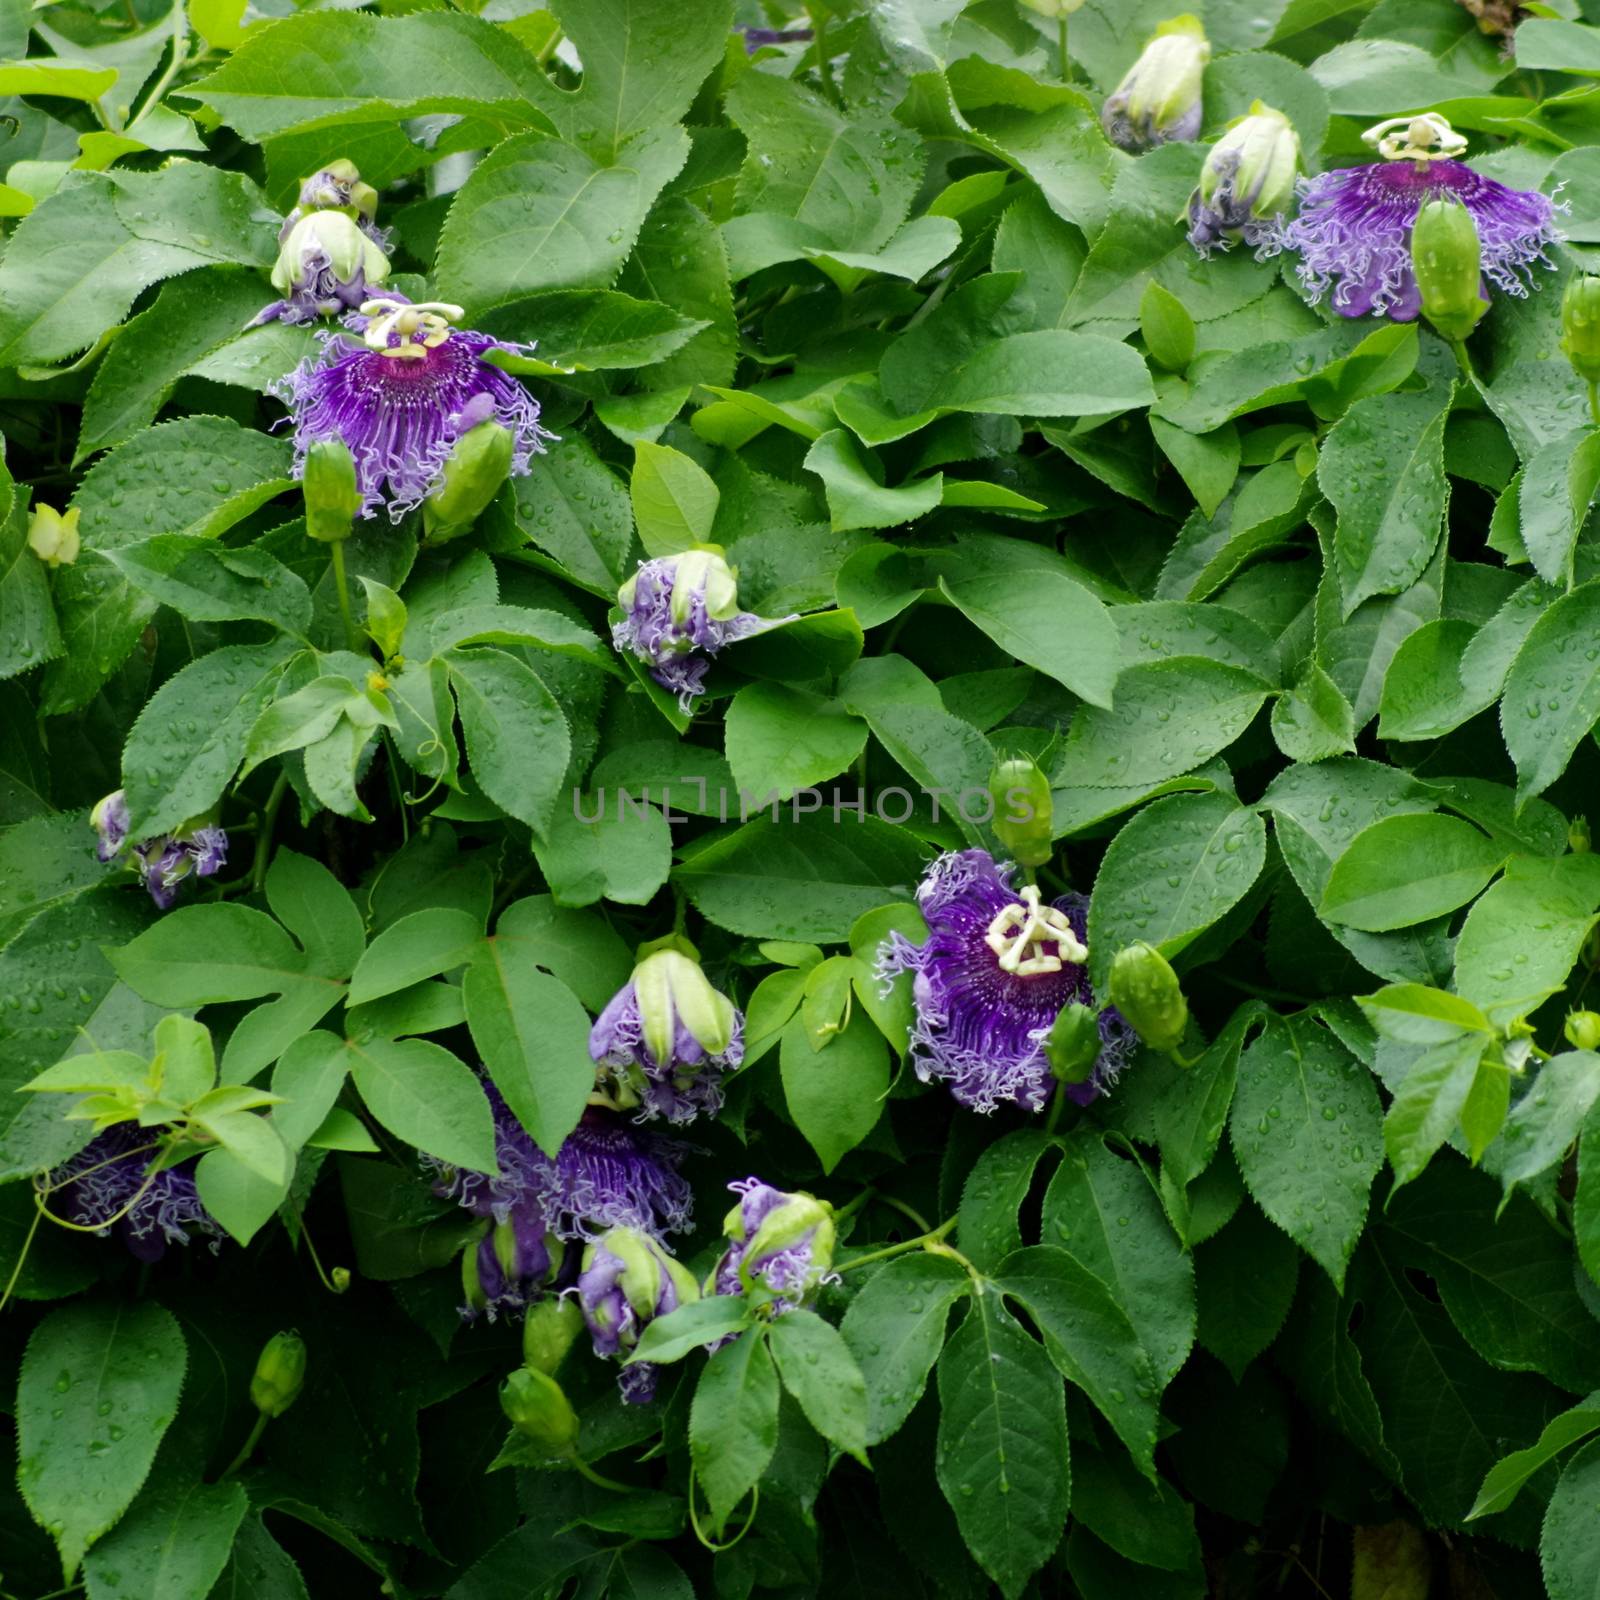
(888, 608)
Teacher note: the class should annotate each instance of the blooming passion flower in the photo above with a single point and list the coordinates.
(996, 970)
(627, 1281)
(606, 1174)
(402, 397)
(678, 612)
(163, 862)
(108, 1186)
(780, 1246)
(1353, 230)
(665, 1039)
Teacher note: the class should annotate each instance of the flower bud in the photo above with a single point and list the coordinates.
(1447, 261)
(332, 495)
(628, 1280)
(537, 1408)
(473, 473)
(337, 185)
(110, 820)
(280, 1373)
(53, 535)
(1023, 810)
(675, 994)
(780, 1245)
(511, 1261)
(1580, 327)
(1054, 9)
(549, 1331)
(1158, 100)
(1073, 1044)
(1578, 839)
(328, 247)
(1248, 179)
(703, 585)
(1145, 989)
(1582, 1030)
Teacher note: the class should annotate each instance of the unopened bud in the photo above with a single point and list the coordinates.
(1248, 177)
(537, 1408)
(549, 1330)
(674, 993)
(1158, 100)
(1054, 9)
(1582, 1030)
(1578, 840)
(333, 497)
(1448, 262)
(280, 1374)
(1580, 327)
(1023, 810)
(53, 535)
(1073, 1044)
(704, 581)
(477, 466)
(1145, 989)
(339, 184)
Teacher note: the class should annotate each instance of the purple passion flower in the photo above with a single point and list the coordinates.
(665, 1039)
(1247, 182)
(606, 1174)
(1353, 231)
(678, 612)
(780, 1246)
(627, 1281)
(401, 398)
(107, 1186)
(1158, 100)
(197, 850)
(997, 968)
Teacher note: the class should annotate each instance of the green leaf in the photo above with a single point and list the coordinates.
(174, 1541)
(533, 1036)
(418, 946)
(258, 1568)
(1429, 1102)
(1305, 1127)
(1545, 1123)
(996, 1190)
(308, 1078)
(98, 1388)
(1177, 868)
(674, 501)
(895, 1328)
(352, 69)
(91, 248)
(818, 1369)
(29, 634)
(428, 1097)
(798, 879)
(835, 1094)
(1167, 327)
(1048, 621)
(208, 582)
(606, 844)
(576, 511)
(578, 947)
(1556, 489)
(1416, 1014)
(1002, 1453)
(1552, 692)
(1244, 1278)
(188, 741)
(1382, 466)
(538, 213)
(1505, 1480)
(517, 737)
(692, 1327)
(1151, 1524)
(733, 1422)
(1090, 1339)
(1314, 720)
(1141, 1263)
(1404, 870)
(594, 329)
(856, 496)
(781, 739)
(1569, 1544)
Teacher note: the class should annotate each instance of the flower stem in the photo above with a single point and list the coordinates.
(1463, 360)
(921, 1242)
(247, 1449)
(269, 816)
(1594, 401)
(341, 584)
(586, 1471)
(22, 1257)
(1066, 57)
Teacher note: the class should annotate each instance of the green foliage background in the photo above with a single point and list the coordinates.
(1303, 621)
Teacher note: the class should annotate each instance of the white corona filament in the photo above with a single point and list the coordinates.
(1019, 935)
(1423, 138)
(391, 317)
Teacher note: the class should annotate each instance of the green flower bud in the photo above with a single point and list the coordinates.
(798, 1224)
(1158, 99)
(1073, 1044)
(339, 184)
(674, 993)
(478, 465)
(1145, 989)
(1054, 9)
(1447, 261)
(53, 535)
(1250, 170)
(1023, 810)
(536, 1407)
(549, 1330)
(1582, 1030)
(1580, 327)
(1578, 840)
(703, 573)
(332, 495)
(279, 1375)
(330, 242)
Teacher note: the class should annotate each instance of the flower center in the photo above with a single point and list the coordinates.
(1019, 935)
(1423, 138)
(395, 319)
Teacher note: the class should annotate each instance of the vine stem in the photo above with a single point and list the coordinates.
(269, 817)
(1594, 401)
(921, 1242)
(247, 1449)
(342, 585)
(1066, 57)
(585, 1470)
